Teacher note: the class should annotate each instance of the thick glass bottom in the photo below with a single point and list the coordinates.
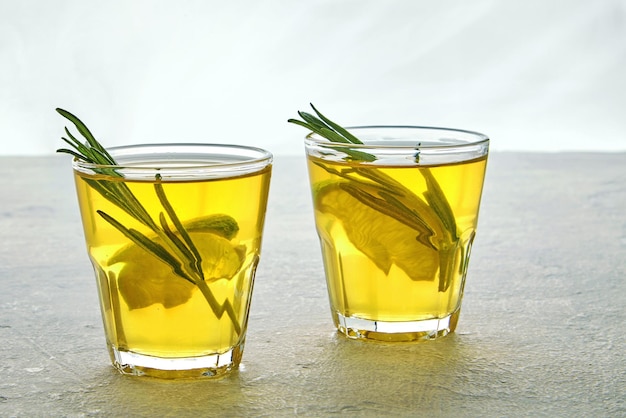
(429, 329)
(209, 366)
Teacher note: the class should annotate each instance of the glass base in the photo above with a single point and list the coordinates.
(365, 329)
(210, 366)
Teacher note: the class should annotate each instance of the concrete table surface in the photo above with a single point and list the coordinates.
(542, 331)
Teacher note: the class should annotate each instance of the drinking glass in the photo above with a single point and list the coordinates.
(173, 232)
(396, 218)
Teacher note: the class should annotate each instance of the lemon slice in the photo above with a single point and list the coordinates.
(144, 279)
(383, 238)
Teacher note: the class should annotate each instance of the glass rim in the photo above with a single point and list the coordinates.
(263, 158)
(481, 139)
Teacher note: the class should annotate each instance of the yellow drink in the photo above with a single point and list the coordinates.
(154, 314)
(395, 257)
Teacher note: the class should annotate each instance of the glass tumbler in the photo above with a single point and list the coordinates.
(173, 232)
(396, 218)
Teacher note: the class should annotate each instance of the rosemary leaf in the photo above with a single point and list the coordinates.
(67, 151)
(312, 120)
(177, 241)
(339, 129)
(437, 199)
(82, 128)
(193, 251)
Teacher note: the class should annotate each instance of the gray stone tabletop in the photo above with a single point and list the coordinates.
(542, 331)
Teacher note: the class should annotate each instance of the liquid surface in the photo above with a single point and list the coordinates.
(147, 307)
(392, 250)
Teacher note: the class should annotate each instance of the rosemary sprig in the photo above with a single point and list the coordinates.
(174, 247)
(430, 215)
(332, 131)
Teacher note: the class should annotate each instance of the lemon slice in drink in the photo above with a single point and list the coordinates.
(144, 279)
(383, 238)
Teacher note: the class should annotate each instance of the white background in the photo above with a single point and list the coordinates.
(544, 75)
